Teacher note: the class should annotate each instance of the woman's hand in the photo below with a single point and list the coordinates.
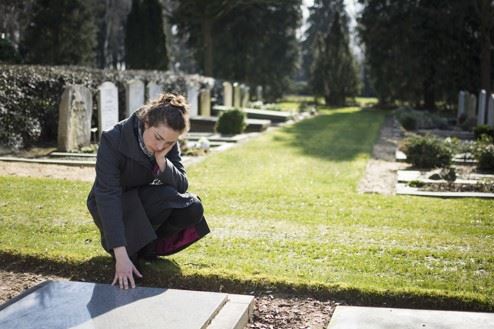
(160, 157)
(124, 269)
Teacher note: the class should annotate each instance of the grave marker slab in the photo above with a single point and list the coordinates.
(472, 105)
(245, 91)
(193, 99)
(227, 94)
(69, 304)
(461, 104)
(107, 106)
(481, 108)
(134, 92)
(490, 111)
(74, 120)
(205, 103)
(236, 95)
(352, 317)
(259, 93)
(153, 90)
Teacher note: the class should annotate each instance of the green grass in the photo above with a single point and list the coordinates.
(284, 212)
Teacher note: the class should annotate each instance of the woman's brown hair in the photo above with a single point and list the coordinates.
(169, 109)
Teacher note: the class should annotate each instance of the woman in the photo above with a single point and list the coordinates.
(139, 199)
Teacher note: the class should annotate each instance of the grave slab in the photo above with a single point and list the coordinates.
(69, 304)
(353, 317)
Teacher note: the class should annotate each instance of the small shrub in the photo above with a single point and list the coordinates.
(408, 121)
(483, 152)
(231, 122)
(483, 130)
(427, 152)
(412, 119)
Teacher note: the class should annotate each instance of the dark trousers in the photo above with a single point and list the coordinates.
(166, 220)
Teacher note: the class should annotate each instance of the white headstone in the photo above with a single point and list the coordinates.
(205, 102)
(481, 108)
(245, 96)
(107, 106)
(74, 118)
(154, 90)
(259, 93)
(193, 99)
(227, 94)
(472, 105)
(490, 111)
(461, 104)
(134, 92)
(236, 95)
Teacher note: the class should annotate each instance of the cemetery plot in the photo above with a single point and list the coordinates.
(67, 304)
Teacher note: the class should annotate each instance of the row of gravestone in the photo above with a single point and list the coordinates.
(74, 125)
(476, 111)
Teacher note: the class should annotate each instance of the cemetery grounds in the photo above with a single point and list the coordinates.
(288, 225)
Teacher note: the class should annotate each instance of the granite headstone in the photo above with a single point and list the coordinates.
(134, 92)
(74, 118)
(153, 90)
(236, 95)
(227, 94)
(205, 102)
(107, 106)
(481, 107)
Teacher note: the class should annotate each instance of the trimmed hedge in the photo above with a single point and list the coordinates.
(427, 152)
(231, 122)
(30, 95)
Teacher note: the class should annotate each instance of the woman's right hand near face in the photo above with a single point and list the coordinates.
(124, 270)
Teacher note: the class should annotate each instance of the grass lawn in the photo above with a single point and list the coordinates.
(284, 213)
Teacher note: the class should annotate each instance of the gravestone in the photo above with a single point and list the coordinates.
(193, 99)
(481, 108)
(461, 105)
(69, 304)
(107, 106)
(236, 95)
(359, 317)
(205, 102)
(74, 118)
(259, 93)
(153, 90)
(490, 111)
(245, 96)
(134, 93)
(472, 105)
(227, 94)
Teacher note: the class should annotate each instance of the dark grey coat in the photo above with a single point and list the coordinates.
(114, 203)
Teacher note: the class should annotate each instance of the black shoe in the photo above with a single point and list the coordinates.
(148, 252)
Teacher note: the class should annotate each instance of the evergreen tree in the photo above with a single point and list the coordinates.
(60, 32)
(145, 42)
(423, 52)
(333, 69)
(253, 41)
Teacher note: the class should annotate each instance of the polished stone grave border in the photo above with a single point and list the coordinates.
(70, 304)
(356, 317)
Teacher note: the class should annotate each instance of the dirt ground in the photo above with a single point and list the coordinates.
(271, 311)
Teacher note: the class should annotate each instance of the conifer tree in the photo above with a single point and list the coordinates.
(145, 42)
(61, 32)
(333, 70)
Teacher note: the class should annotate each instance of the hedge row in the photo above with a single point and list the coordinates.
(30, 95)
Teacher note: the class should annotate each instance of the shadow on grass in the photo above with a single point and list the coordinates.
(340, 136)
(167, 274)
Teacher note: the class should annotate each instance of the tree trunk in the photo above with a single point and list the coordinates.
(485, 56)
(207, 37)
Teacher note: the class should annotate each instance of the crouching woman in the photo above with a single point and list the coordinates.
(139, 199)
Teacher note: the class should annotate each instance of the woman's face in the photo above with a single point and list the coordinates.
(157, 139)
